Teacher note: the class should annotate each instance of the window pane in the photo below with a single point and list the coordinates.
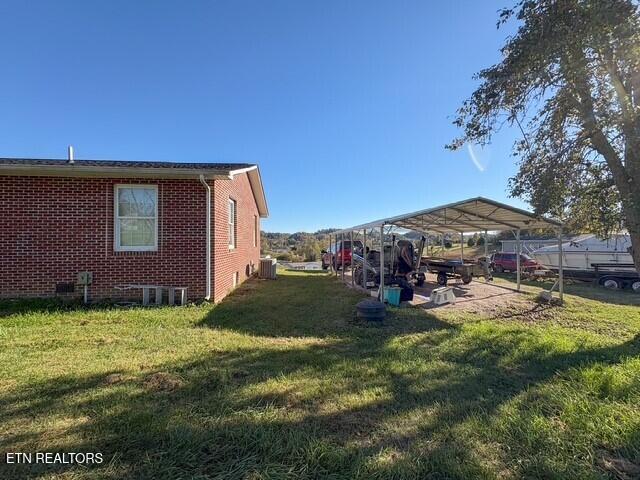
(137, 232)
(232, 222)
(136, 202)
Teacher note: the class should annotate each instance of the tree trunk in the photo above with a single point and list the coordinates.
(623, 175)
(635, 248)
(631, 209)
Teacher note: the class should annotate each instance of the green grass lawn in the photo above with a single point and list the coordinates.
(281, 381)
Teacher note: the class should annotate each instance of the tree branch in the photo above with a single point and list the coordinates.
(585, 105)
(629, 123)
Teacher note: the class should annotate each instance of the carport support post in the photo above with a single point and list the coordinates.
(335, 257)
(330, 258)
(560, 267)
(364, 258)
(518, 258)
(381, 291)
(462, 247)
(342, 255)
(351, 266)
(486, 248)
(332, 250)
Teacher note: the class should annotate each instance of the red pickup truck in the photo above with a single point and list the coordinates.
(507, 262)
(336, 252)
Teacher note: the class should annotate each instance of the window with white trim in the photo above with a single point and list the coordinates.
(232, 223)
(136, 218)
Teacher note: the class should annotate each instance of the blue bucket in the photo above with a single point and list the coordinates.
(392, 295)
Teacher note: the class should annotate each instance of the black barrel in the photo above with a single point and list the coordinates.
(371, 310)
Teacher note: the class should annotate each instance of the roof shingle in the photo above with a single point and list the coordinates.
(125, 164)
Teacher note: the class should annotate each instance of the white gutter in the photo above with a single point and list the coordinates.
(208, 187)
(238, 171)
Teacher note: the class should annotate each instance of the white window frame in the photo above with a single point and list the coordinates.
(231, 223)
(116, 224)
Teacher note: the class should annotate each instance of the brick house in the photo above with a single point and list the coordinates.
(194, 225)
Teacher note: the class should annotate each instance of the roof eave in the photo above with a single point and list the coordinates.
(255, 180)
(91, 171)
(95, 171)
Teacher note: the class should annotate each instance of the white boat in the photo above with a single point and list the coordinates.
(588, 256)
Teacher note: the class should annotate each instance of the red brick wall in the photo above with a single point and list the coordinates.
(52, 228)
(245, 256)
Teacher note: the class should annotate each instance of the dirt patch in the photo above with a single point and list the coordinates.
(619, 467)
(485, 299)
(163, 382)
(114, 378)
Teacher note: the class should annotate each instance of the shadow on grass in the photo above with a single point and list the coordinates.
(218, 423)
(288, 411)
(21, 306)
(18, 306)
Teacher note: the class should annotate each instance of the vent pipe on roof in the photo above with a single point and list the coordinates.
(70, 160)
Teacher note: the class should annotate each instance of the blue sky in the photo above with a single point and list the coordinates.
(346, 106)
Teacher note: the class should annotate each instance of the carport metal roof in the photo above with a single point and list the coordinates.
(472, 215)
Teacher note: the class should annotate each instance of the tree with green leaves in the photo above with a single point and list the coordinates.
(569, 80)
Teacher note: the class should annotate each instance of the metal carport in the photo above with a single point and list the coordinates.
(473, 215)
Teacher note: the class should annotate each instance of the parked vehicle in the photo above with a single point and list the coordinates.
(337, 251)
(399, 267)
(446, 268)
(465, 270)
(508, 262)
(607, 261)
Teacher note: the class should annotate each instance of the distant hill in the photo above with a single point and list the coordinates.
(296, 247)
(307, 247)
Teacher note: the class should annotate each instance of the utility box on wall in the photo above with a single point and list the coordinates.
(85, 278)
